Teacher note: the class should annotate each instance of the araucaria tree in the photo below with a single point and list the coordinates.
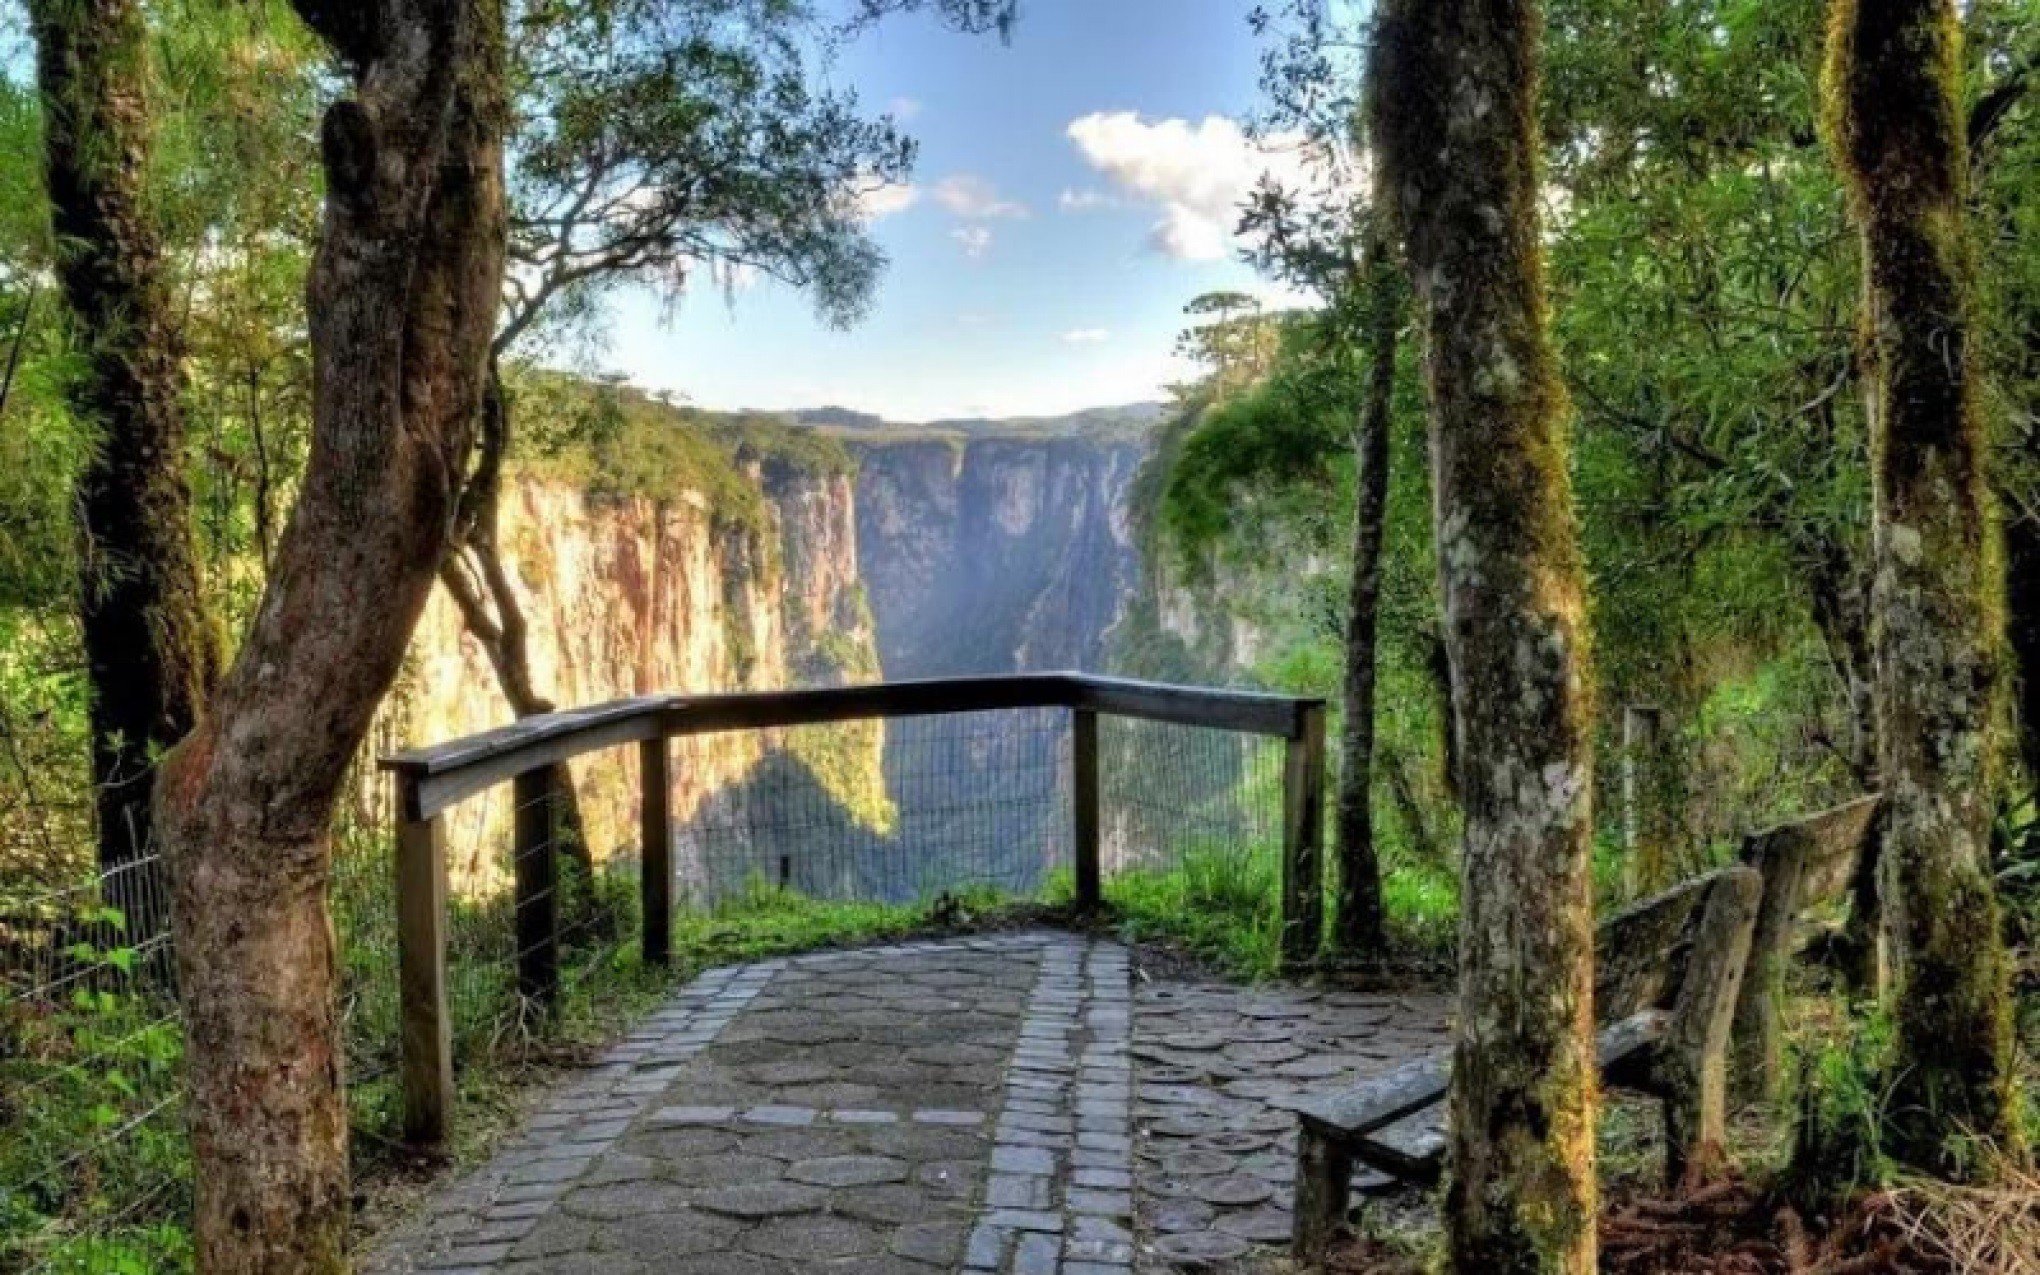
(1454, 103)
(151, 654)
(402, 304)
(1895, 124)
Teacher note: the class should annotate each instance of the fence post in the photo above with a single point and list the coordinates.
(655, 851)
(426, 1051)
(1303, 838)
(1084, 805)
(538, 933)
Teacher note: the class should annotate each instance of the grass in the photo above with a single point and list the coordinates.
(1221, 903)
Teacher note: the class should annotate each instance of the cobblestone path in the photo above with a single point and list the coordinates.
(999, 1104)
(1218, 1066)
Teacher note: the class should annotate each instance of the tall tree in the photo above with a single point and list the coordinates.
(666, 141)
(151, 653)
(1360, 922)
(1894, 82)
(402, 303)
(1454, 103)
(1327, 235)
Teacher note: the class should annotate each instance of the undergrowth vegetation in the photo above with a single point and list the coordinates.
(1222, 904)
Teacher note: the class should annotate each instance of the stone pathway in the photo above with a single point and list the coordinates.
(1000, 1104)
(1218, 1066)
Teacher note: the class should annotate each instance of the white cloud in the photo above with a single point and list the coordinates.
(1075, 201)
(1197, 174)
(975, 240)
(886, 199)
(975, 198)
(904, 108)
(1086, 336)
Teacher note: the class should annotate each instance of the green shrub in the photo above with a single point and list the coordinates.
(1838, 1135)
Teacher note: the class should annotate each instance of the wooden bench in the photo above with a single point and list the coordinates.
(1807, 862)
(1668, 972)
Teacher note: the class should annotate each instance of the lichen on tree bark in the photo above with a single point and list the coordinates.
(1895, 125)
(1454, 102)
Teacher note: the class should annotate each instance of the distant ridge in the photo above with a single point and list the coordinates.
(1129, 419)
(837, 418)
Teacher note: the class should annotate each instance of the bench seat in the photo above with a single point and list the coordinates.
(1396, 1122)
(1669, 971)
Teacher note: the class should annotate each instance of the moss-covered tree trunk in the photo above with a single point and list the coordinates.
(1359, 924)
(1454, 99)
(151, 654)
(2022, 626)
(1839, 581)
(401, 303)
(1893, 75)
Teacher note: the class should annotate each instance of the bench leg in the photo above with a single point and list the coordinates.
(1324, 1183)
(1695, 1131)
(1692, 1066)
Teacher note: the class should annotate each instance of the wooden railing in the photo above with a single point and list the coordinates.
(528, 753)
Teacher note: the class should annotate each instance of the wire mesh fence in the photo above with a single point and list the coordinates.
(883, 812)
(543, 898)
(92, 1152)
(1191, 837)
(1174, 798)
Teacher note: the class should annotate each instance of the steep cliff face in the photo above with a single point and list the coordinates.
(634, 595)
(718, 555)
(995, 555)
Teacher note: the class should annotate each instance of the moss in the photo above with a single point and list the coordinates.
(1454, 93)
(1892, 108)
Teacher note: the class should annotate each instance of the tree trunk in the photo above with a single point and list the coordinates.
(1424, 842)
(1651, 802)
(151, 652)
(1360, 924)
(401, 302)
(1893, 90)
(1454, 99)
(2022, 628)
(1841, 611)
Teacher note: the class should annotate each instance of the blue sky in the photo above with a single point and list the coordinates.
(1033, 271)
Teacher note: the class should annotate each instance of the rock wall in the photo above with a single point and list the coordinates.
(635, 596)
(995, 555)
(938, 556)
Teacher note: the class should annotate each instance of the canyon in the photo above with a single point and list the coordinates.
(826, 549)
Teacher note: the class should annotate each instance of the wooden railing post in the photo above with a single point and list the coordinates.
(1303, 837)
(1084, 804)
(538, 934)
(426, 1050)
(655, 851)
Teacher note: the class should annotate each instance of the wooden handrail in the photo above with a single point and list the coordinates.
(528, 753)
(444, 774)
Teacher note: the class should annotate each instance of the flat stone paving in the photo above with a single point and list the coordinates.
(1005, 1104)
(1219, 1067)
